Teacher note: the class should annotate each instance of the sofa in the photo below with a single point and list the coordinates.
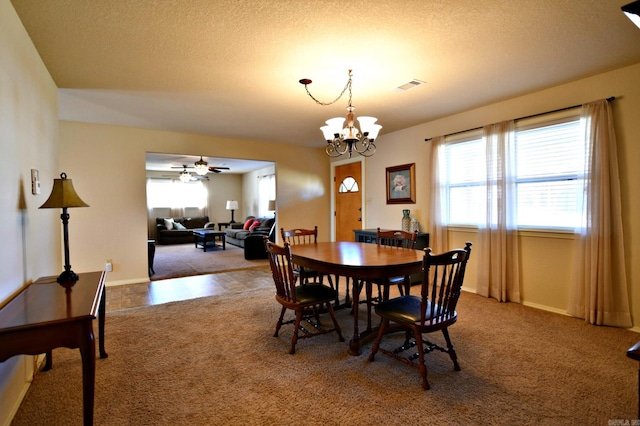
(177, 230)
(252, 227)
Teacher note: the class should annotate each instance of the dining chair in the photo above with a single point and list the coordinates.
(434, 310)
(306, 301)
(304, 236)
(395, 238)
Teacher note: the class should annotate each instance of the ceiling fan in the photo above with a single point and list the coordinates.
(202, 167)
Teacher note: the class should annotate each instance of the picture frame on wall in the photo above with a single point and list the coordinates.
(401, 184)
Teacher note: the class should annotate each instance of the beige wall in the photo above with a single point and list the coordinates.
(107, 164)
(544, 257)
(30, 237)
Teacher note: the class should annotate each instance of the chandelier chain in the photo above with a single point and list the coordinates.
(347, 86)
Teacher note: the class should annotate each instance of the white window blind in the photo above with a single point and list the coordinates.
(550, 166)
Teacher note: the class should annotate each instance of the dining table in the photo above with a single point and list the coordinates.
(360, 262)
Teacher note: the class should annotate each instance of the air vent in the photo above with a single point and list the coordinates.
(409, 85)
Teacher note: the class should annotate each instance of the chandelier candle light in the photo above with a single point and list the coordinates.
(342, 140)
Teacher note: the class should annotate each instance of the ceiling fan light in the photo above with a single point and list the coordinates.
(201, 169)
(185, 176)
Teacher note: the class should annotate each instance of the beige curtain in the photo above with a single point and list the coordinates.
(438, 234)
(599, 286)
(498, 270)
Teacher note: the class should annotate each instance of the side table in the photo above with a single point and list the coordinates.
(223, 224)
(45, 316)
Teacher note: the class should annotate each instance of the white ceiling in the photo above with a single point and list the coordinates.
(230, 68)
(173, 163)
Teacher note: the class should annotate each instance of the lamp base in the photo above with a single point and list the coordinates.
(67, 279)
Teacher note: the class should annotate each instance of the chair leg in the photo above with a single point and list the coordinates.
(279, 324)
(294, 338)
(450, 350)
(421, 365)
(369, 291)
(335, 321)
(376, 344)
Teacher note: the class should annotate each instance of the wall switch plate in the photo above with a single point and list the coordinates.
(35, 181)
(108, 266)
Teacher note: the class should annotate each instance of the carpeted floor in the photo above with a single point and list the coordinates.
(213, 361)
(183, 260)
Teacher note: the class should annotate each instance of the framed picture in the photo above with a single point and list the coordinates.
(401, 184)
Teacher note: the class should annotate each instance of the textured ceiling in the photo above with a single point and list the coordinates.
(231, 68)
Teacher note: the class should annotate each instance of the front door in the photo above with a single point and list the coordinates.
(347, 190)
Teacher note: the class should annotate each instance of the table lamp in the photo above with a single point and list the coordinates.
(232, 205)
(64, 196)
(272, 206)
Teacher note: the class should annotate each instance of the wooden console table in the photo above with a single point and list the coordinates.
(45, 316)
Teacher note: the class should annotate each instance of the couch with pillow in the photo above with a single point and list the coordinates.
(177, 230)
(237, 233)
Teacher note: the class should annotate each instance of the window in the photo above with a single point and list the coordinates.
(349, 184)
(175, 194)
(549, 174)
(266, 192)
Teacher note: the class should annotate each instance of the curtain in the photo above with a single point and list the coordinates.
(438, 233)
(598, 291)
(498, 270)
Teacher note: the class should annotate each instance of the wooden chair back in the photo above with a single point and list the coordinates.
(441, 285)
(282, 270)
(397, 238)
(299, 236)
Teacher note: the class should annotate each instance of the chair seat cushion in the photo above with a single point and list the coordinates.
(314, 293)
(404, 309)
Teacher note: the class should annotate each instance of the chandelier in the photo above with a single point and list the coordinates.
(342, 140)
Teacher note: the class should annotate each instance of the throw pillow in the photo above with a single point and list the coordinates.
(247, 224)
(178, 225)
(169, 223)
(254, 225)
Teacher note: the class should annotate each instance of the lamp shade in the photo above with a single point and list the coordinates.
(272, 205)
(232, 205)
(63, 195)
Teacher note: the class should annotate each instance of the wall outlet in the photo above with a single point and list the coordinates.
(108, 266)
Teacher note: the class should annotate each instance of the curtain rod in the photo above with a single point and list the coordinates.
(609, 99)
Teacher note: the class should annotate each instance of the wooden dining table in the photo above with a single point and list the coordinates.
(360, 262)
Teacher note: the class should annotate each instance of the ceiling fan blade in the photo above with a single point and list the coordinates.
(217, 169)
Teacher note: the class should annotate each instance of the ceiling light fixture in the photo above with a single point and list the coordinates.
(201, 167)
(632, 10)
(348, 139)
(185, 176)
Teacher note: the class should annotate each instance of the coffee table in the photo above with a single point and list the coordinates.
(204, 236)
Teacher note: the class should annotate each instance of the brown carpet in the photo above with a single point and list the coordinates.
(185, 260)
(213, 361)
